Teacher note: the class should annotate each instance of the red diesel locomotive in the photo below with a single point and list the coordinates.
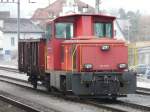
(79, 55)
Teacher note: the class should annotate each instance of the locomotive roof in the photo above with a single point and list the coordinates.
(77, 15)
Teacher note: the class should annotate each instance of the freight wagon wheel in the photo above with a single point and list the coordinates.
(114, 98)
(35, 85)
(34, 81)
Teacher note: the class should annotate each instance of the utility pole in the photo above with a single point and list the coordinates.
(97, 8)
(49, 2)
(18, 20)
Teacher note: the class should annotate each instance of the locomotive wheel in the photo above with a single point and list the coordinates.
(114, 98)
(47, 82)
(48, 86)
(63, 83)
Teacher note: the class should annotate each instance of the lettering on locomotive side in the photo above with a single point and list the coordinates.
(49, 49)
(104, 66)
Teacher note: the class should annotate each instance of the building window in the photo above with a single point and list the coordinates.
(1, 50)
(12, 41)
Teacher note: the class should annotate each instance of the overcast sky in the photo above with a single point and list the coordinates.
(28, 8)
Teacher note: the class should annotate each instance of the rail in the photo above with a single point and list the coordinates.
(18, 104)
(9, 69)
(143, 91)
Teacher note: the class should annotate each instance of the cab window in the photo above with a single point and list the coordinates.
(64, 30)
(103, 30)
(48, 32)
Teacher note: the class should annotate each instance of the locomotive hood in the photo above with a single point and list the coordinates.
(99, 54)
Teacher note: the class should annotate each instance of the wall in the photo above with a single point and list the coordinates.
(8, 49)
(139, 53)
(1, 44)
(144, 55)
(7, 39)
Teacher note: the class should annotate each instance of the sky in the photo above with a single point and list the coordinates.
(27, 8)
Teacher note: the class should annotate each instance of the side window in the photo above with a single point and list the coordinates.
(12, 41)
(99, 29)
(103, 30)
(108, 29)
(64, 30)
(48, 32)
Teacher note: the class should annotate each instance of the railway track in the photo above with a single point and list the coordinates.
(143, 91)
(117, 106)
(9, 69)
(61, 96)
(120, 106)
(18, 104)
(70, 98)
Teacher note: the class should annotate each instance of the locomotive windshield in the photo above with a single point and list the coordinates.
(103, 30)
(64, 30)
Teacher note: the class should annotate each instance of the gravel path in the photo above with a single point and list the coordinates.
(5, 107)
(33, 98)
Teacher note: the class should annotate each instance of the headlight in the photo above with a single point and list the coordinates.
(123, 66)
(87, 66)
(105, 47)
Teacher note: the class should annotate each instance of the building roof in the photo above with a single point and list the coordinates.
(43, 15)
(26, 26)
(4, 14)
(55, 8)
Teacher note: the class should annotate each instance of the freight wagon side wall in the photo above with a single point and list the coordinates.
(31, 56)
(21, 56)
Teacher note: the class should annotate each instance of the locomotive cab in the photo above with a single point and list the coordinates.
(91, 62)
